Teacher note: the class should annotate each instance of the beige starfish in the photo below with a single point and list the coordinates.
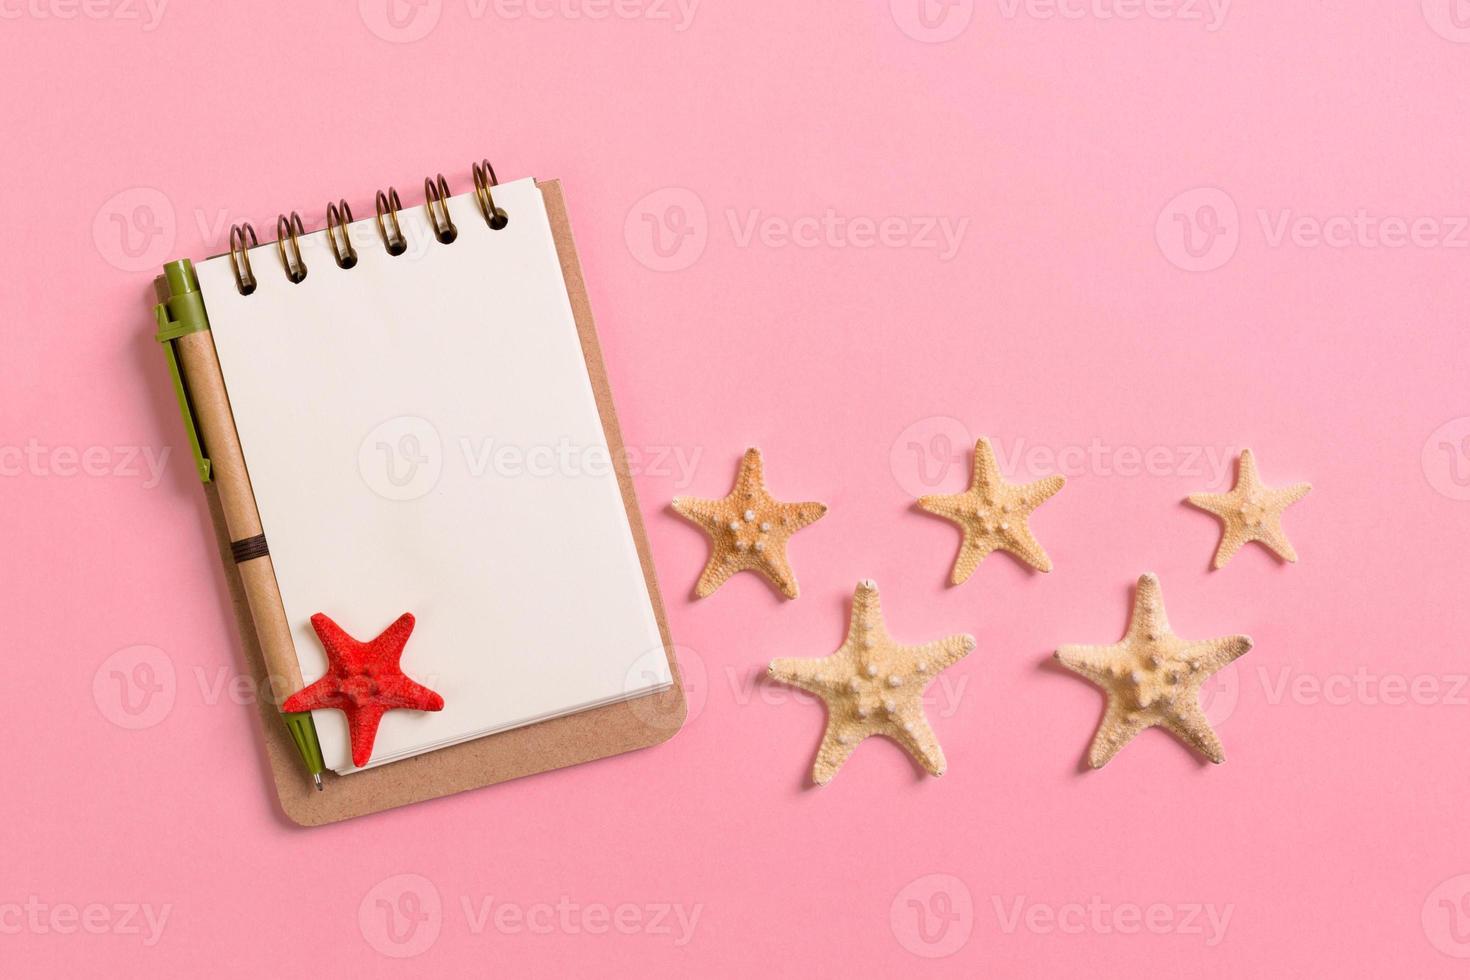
(993, 515)
(1152, 678)
(1251, 511)
(873, 686)
(748, 529)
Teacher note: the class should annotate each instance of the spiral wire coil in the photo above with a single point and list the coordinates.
(386, 204)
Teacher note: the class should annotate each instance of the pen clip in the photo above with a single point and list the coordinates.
(169, 330)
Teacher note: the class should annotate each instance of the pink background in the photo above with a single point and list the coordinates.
(1075, 312)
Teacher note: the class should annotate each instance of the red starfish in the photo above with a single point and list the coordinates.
(363, 680)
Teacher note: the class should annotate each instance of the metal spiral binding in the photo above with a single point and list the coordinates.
(289, 229)
(436, 202)
(339, 216)
(242, 239)
(387, 204)
(484, 175)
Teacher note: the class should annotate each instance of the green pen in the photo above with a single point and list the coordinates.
(183, 330)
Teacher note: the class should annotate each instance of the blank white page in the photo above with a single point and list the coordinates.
(422, 436)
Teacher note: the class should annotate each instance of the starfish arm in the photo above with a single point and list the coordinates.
(1148, 616)
(1189, 724)
(1284, 497)
(940, 654)
(772, 563)
(973, 550)
(1117, 728)
(1245, 470)
(716, 572)
(1218, 504)
(387, 648)
(405, 692)
(985, 472)
(750, 476)
(867, 610)
(1093, 662)
(334, 638)
(831, 754)
(706, 513)
(1274, 538)
(1208, 656)
(918, 740)
(951, 506)
(362, 729)
(1020, 542)
(1232, 539)
(807, 674)
(324, 692)
(1040, 491)
(800, 515)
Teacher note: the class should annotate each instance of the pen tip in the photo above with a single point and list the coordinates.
(318, 778)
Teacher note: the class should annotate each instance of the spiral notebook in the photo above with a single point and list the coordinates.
(427, 428)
